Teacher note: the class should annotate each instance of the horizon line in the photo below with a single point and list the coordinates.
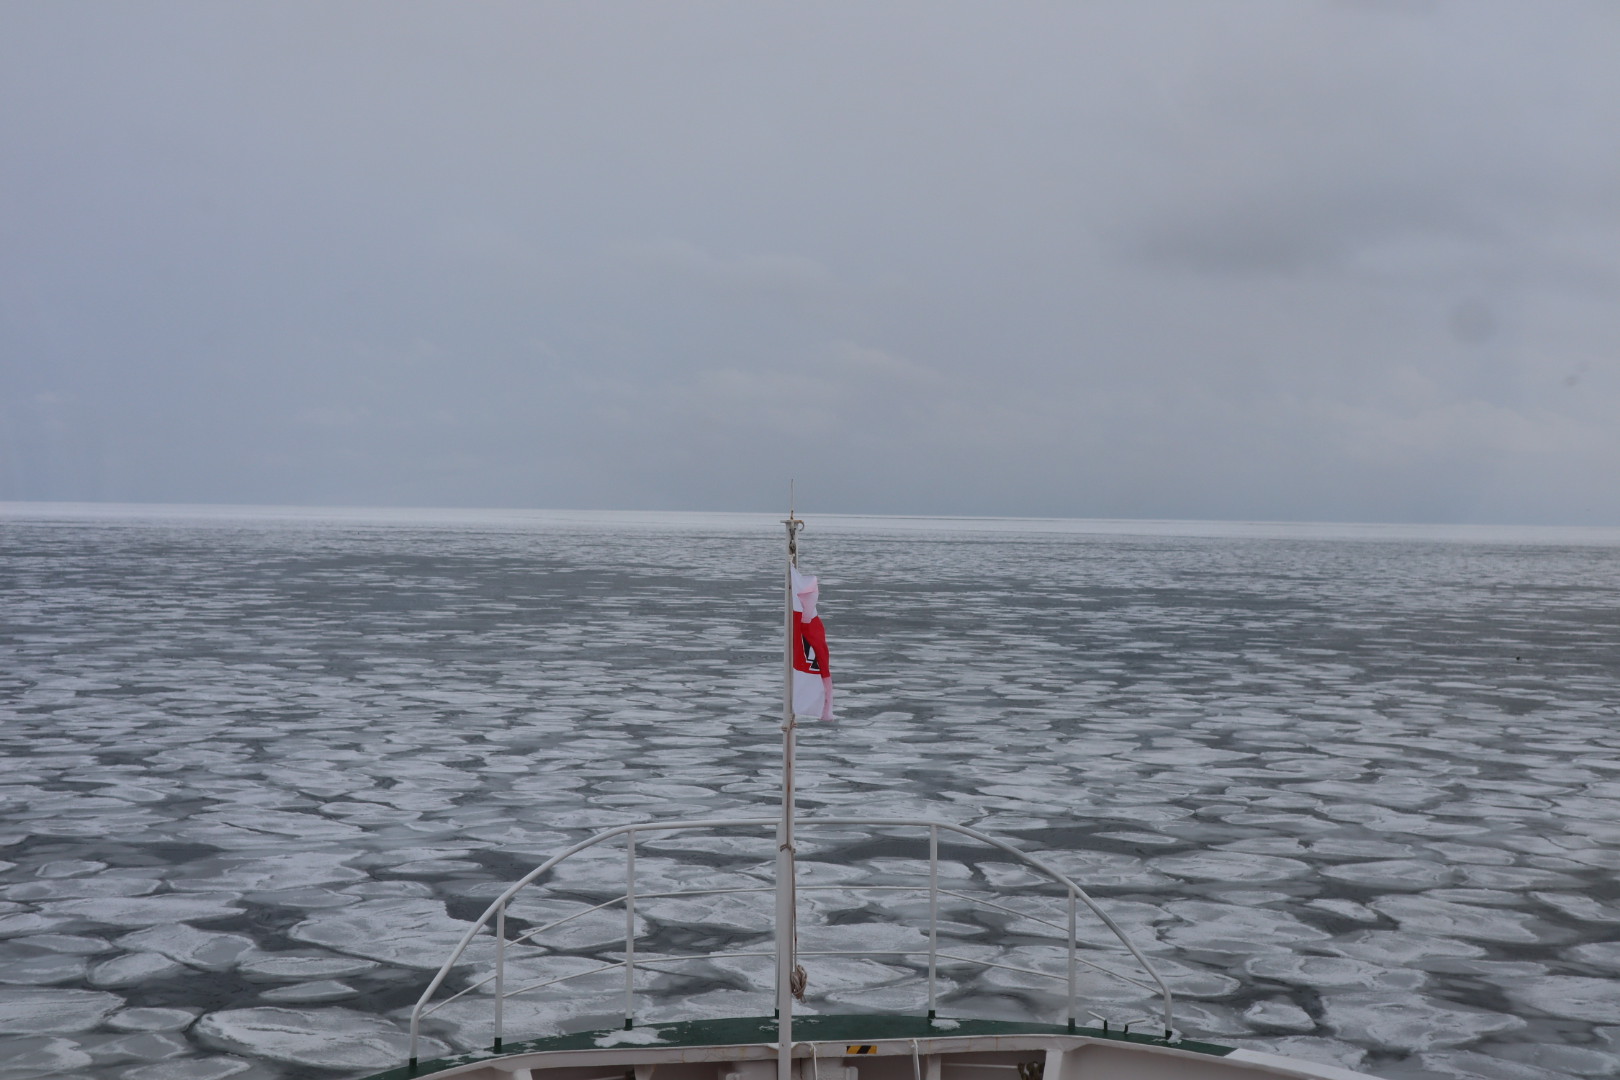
(9, 506)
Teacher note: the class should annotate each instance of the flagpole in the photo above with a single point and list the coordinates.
(786, 930)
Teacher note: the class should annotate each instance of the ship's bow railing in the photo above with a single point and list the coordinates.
(494, 919)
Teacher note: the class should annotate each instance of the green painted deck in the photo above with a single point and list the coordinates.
(806, 1028)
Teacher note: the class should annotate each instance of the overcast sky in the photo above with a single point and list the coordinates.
(1281, 260)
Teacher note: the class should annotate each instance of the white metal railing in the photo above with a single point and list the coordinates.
(497, 912)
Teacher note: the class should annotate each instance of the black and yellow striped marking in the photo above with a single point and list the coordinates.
(865, 1049)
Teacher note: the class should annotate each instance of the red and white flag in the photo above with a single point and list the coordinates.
(812, 675)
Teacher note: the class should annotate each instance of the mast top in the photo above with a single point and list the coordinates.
(794, 524)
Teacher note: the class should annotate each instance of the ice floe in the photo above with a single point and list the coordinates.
(53, 1011)
(1409, 1022)
(1105, 869)
(1448, 919)
(1310, 1048)
(1571, 996)
(1565, 1059)
(1230, 866)
(727, 914)
(1472, 1065)
(469, 1023)
(149, 911)
(276, 872)
(1333, 972)
(586, 927)
(217, 1067)
(330, 1038)
(23, 923)
(306, 899)
(1207, 1018)
(1403, 875)
(405, 932)
(74, 944)
(1516, 877)
(300, 967)
(140, 1046)
(1580, 908)
(1346, 909)
(205, 949)
(1229, 928)
(133, 969)
(152, 1019)
(1396, 948)
(1599, 954)
(39, 969)
(30, 1058)
(1184, 979)
(75, 888)
(318, 990)
(1278, 1016)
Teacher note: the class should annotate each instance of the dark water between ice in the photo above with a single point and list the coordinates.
(1356, 790)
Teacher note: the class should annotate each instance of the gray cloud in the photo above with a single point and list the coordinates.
(1267, 259)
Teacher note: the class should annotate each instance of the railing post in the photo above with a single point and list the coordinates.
(1072, 995)
(500, 972)
(933, 911)
(630, 930)
(416, 1019)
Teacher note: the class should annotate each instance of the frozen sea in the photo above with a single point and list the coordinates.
(1355, 788)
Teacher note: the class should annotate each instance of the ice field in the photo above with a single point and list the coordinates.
(1356, 790)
